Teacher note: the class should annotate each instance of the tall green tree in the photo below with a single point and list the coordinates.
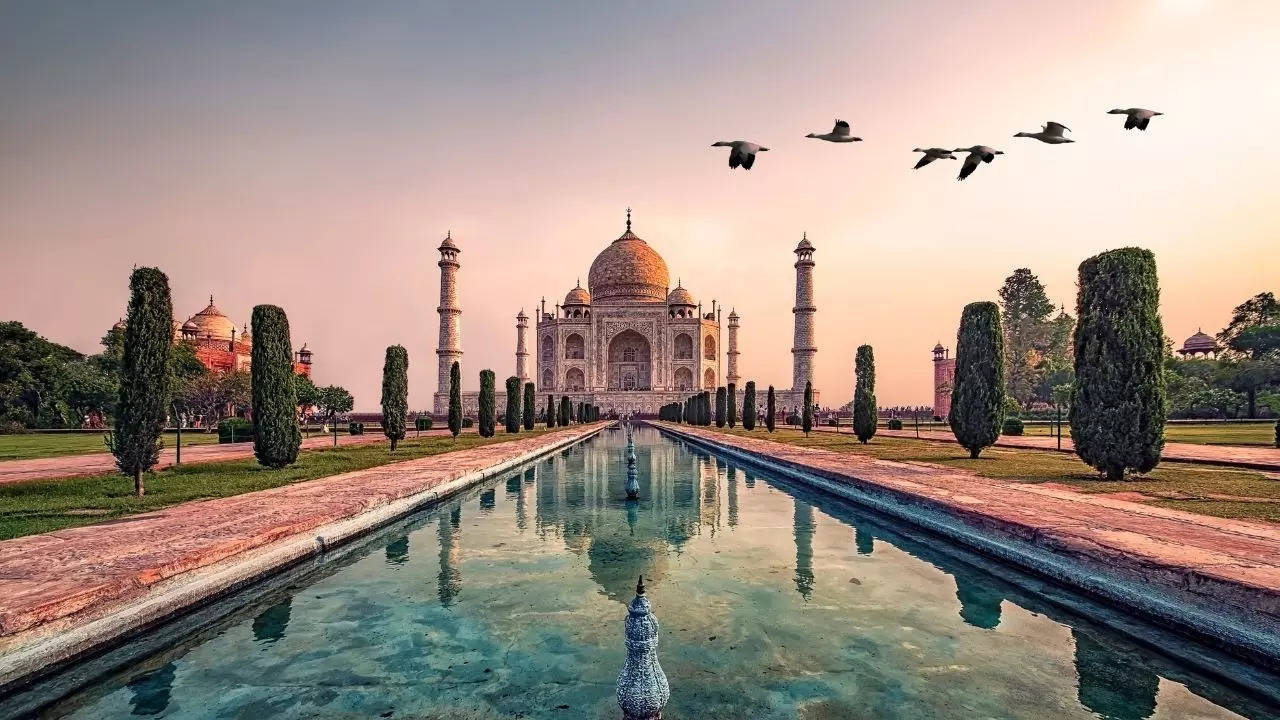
(1261, 309)
(1027, 332)
(485, 419)
(865, 412)
(276, 436)
(395, 393)
(978, 392)
(720, 406)
(455, 399)
(806, 419)
(551, 412)
(731, 398)
(144, 376)
(564, 411)
(1118, 405)
(770, 410)
(512, 415)
(749, 406)
(527, 406)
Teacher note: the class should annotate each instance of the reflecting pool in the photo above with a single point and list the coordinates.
(775, 602)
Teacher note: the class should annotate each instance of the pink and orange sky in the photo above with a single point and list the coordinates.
(312, 155)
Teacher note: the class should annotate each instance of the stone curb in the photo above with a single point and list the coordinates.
(1162, 594)
(39, 650)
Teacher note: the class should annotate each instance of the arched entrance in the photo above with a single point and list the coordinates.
(684, 379)
(709, 380)
(629, 362)
(574, 381)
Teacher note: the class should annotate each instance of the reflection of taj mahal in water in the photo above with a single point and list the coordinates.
(628, 342)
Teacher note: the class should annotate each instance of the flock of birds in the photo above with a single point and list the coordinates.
(743, 154)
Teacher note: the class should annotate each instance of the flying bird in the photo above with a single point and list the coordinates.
(1137, 117)
(931, 154)
(977, 154)
(838, 134)
(1052, 134)
(741, 153)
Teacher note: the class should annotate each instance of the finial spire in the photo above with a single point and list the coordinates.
(628, 218)
(210, 298)
(804, 235)
(640, 586)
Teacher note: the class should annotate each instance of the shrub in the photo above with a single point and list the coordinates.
(977, 396)
(865, 412)
(423, 423)
(895, 424)
(468, 422)
(355, 428)
(455, 399)
(1012, 426)
(792, 419)
(234, 430)
(749, 406)
(1118, 406)
(12, 427)
(395, 393)
(144, 376)
(276, 435)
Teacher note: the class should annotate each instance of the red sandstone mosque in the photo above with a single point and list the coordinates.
(220, 346)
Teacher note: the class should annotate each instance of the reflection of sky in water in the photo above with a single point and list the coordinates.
(511, 600)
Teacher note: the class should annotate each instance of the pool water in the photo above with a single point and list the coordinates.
(774, 602)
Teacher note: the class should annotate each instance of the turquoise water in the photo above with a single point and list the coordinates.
(775, 602)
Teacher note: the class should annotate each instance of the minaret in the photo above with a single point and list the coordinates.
(803, 350)
(522, 349)
(449, 348)
(732, 353)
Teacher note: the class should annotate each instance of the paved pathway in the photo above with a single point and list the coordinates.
(1216, 561)
(68, 576)
(1249, 456)
(12, 471)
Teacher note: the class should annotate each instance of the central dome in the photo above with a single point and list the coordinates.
(628, 271)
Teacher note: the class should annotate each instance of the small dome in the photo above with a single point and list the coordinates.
(680, 296)
(245, 336)
(212, 323)
(938, 348)
(804, 244)
(733, 314)
(448, 242)
(119, 326)
(190, 328)
(577, 296)
(1200, 341)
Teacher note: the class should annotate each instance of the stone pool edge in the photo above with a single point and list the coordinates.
(1227, 632)
(49, 652)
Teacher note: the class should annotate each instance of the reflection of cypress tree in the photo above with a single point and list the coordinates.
(863, 540)
(398, 550)
(733, 496)
(488, 498)
(449, 581)
(1115, 686)
(513, 486)
(151, 691)
(979, 603)
(802, 524)
(270, 624)
(455, 516)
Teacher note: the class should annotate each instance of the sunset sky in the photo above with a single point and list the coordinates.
(312, 155)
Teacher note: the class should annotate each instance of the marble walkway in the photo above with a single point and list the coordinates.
(1231, 565)
(1257, 457)
(62, 579)
(12, 471)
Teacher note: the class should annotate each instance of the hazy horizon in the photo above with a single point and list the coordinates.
(313, 155)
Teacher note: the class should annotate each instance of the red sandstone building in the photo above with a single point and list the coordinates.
(944, 377)
(221, 347)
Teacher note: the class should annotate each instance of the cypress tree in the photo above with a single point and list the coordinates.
(550, 416)
(749, 406)
(720, 406)
(1118, 406)
(807, 416)
(770, 410)
(395, 394)
(512, 416)
(564, 410)
(144, 376)
(485, 411)
(732, 400)
(455, 398)
(276, 435)
(865, 413)
(978, 392)
(527, 406)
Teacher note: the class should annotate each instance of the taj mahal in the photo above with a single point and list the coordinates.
(628, 342)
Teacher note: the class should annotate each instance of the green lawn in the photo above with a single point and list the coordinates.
(45, 505)
(38, 445)
(1223, 492)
